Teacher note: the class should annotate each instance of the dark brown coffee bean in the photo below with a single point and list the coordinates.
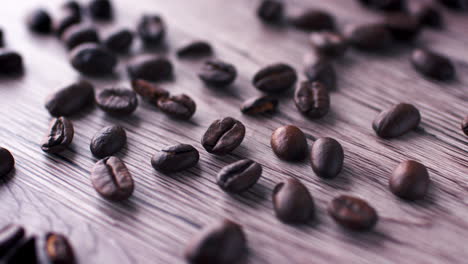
(119, 41)
(111, 179)
(368, 37)
(101, 9)
(313, 20)
(22, 252)
(79, 34)
(175, 158)
(403, 27)
(459, 5)
(433, 65)
(39, 21)
(353, 213)
(92, 59)
(383, 5)
(217, 73)
(67, 19)
(289, 143)
(275, 78)
(195, 49)
(151, 29)
(239, 176)
(326, 157)
(270, 11)
(72, 7)
(464, 125)
(322, 72)
(58, 250)
(11, 234)
(117, 101)
(150, 68)
(71, 99)
(7, 162)
(410, 180)
(177, 106)
(259, 105)
(11, 62)
(223, 242)
(292, 202)
(108, 141)
(396, 121)
(148, 90)
(223, 136)
(329, 44)
(312, 99)
(59, 136)
(426, 13)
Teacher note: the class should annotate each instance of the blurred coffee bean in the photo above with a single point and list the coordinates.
(117, 101)
(403, 27)
(223, 136)
(353, 213)
(289, 143)
(322, 72)
(71, 99)
(464, 125)
(101, 9)
(10, 234)
(459, 5)
(217, 73)
(68, 17)
(175, 158)
(410, 180)
(150, 68)
(396, 121)
(369, 37)
(433, 65)
(427, 13)
(108, 141)
(328, 43)
(151, 29)
(326, 157)
(275, 78)
(312, 99)
(59, 135)
(111, 179)
(39, 21)
(313, 20)
(91, 59)
(195, 49)
(239, 176)
(292, 202)
(259, 105)
(11, 62)
(58, 250)
(73, 7)
(177, 106)
(149, 91)
(119, 41)
(270, 11)
(23, 252)
(79, 34)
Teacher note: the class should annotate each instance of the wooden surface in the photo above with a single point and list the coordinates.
(54, 192)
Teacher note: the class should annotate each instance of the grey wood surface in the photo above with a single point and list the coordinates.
(49, 192)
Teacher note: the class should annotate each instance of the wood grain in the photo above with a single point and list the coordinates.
(54, 192)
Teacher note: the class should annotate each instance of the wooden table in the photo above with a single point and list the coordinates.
(54, 193)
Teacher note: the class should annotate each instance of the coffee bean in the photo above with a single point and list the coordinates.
(353, 213)
(275, 78)
(111, 179)
(223, 136)
(396, 121)
(403, 27)
(217, 73)
(108, 141)
(312, 99)
(292, 202)
(329, 44)
(259, 105)
(72, 7)
(150, 68)
(410, 180)
(313, 20)
(464, 125)
(222, 242)
(11, 62)
(459, 5)
(39, 21)
(58, 250)
(175, 158)
(79, 34)
(101, 9)
(7, 162)
(59, 135)
(195, 49)
(23, 252)
(10, 234)
(177, 106)
(119, 41)
(432, 65)
(67, 18)
(426, 13)
(289, 143)
(148, 90)
(151, 29)
(322, 72)
(239, 176)
(92, 59)
(368, 37)
(270, 11)
(326, 157)
(71, 99)
(383, 5)
(117, 101)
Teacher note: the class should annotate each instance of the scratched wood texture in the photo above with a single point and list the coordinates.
(48, 192)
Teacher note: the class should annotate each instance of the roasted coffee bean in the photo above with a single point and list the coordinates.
(150, 68)
(58, 250)
(10, 234)
(7, 162)
(403, 27)
(148, 90)
(151, 29)
(259, 105)
(117, 101)
(313, 20)
(322, 72)
(120, 41)
(459, 5)
(71, 99)
(326, 157)
(239, 176)
(79, 34)
(175, 158)
(177, 106)
(39, 21)
(289, 143)
(396, 121)
(433, 65)
(223, 136)
(275, 78)
(383, 5)
(426, 13)
(292, 202)
(368, 37)
(72, 7)
(270, 11)
(410, 180)
(223, 242)
(195, 49)
(59, 136)
(217, 73)
(67, 18)
(464, 125)
(108, 141)
(11, 62)
(101, 9)
(22, 252)
(111, 179)
(312, 99)
(329, 44)
(353, 213)
(92, 59)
